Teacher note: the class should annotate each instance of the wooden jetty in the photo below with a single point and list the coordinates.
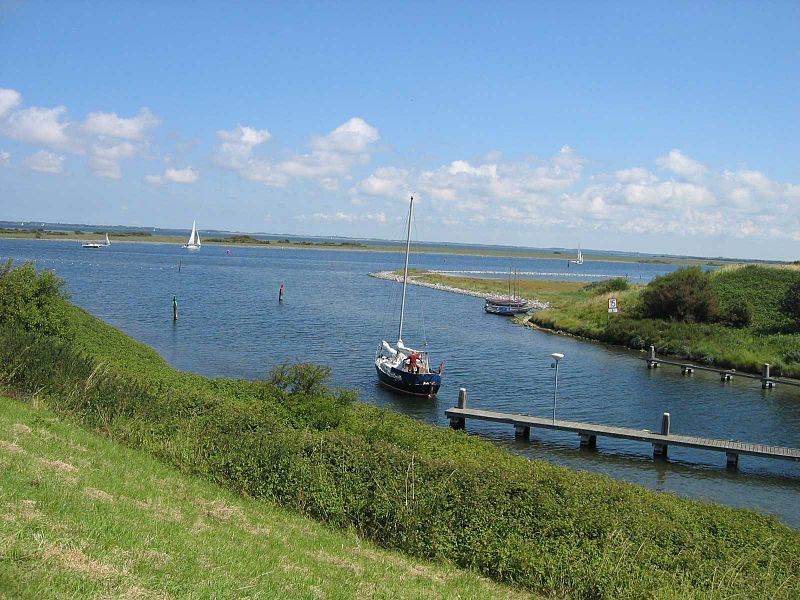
(767, 381)
(589, 433)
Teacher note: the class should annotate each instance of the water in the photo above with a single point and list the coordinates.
(231, 325)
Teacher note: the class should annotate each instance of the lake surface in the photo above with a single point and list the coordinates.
(231, 325)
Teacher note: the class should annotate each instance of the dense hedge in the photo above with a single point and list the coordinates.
(430, 492)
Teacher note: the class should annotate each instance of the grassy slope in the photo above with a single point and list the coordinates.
(573, 531)
(579, 312)
(82, 517)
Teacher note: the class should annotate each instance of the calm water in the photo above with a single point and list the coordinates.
(231, 325)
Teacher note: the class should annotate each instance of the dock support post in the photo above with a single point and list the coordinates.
(652, 363)
(766, 382)
(660, 449)
(588, 440)
(522, 432)
(732, 460)
(460, 422)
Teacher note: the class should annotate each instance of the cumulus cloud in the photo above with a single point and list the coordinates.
(105, 138)
(682, 165)
(690, 200)
(112, 125)
(332, 156)
(187, 175)
(45, 162)
(377, 217)
(237, 145)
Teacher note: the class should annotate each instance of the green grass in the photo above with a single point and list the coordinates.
(83, 517)
(577, 309)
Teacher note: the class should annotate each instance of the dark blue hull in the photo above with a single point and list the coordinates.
(418, 384)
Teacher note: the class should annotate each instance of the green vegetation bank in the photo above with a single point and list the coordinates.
(737, 317)
(432, 493)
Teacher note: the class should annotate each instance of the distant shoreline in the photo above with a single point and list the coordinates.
(357, 247)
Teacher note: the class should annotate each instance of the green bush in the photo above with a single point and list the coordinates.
(32, 301)
(684, 295)
(618, 284)
(791, 303)
(738, 315)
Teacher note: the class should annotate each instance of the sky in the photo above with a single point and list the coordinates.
(636, 126)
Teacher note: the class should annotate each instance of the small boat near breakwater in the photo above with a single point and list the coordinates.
(532, 303)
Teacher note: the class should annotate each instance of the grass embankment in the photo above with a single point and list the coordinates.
(248, 240)
(433, 493)
(582, 309)
(83, 517)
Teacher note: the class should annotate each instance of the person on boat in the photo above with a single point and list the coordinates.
(413, 367)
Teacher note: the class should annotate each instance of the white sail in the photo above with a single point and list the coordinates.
(194, 238)
(108, 241)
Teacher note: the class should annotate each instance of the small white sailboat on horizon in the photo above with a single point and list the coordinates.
(194, 239)
(579, 259)
(97, 244)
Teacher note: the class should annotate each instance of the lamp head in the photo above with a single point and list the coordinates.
(557, 356)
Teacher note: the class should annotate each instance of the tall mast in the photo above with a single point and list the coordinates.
(405, 270)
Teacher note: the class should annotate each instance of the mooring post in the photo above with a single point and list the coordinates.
(588, 440)
(731, 460)
(766, 382)
(660, 449)
(280, 294)
(651, 358)
(455, 421)
(174, 308)
(522, 432)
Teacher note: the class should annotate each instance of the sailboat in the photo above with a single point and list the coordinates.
(510, 305)
(194, 239)
(97, 244)
(400, 367)
(579, 259)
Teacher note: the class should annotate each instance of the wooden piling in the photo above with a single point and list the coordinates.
(460, 422)
(731, 460)
(174, 308)
(522, 432)
(766, 382)
(588, 440)
(660, 449)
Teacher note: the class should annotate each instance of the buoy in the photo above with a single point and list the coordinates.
(280, 294)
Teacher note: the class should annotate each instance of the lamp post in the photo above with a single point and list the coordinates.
(557, 356)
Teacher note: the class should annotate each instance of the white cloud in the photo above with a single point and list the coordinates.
(682, 165)
(377, 217)
(127, 128)
(106, 138)
(5, 158)
(9, 99)
(332, 156)
(105, 160)
(45, 162)
(635, 175)
(37, 125)
(187, 175)
(237, 145)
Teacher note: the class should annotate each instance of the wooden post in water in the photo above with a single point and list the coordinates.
(660, 449)
(174, 308)
(588, 440)
(280, 294)
(766, 382)
(652, 363)
(731, 460)
(460, 422)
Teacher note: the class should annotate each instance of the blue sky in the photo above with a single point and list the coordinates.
(654, 127)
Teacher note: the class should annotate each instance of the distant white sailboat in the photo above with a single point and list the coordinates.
(194, 239)
(579, 260)
(97, 244)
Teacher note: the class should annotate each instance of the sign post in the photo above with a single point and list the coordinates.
(612, 305)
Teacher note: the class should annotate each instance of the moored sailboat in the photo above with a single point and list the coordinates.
(400, 367)
(194, 239)
(97, 244)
